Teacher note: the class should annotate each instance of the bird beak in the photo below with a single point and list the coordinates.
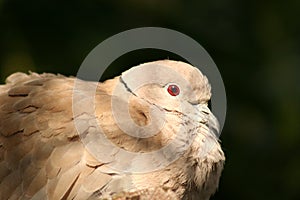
(207, 117)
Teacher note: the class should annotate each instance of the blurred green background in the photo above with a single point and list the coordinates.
(255, 44)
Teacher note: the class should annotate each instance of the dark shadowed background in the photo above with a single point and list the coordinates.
(255, 44)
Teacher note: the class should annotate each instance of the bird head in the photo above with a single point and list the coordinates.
(173, 87)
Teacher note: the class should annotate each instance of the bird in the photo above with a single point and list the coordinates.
(145, 134)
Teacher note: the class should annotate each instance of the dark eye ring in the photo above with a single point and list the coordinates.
(173, 90)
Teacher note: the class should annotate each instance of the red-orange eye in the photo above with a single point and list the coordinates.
(173, 90)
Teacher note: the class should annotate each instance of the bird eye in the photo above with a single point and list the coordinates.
(173, 90)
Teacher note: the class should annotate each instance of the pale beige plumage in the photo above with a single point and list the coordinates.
(42, 156)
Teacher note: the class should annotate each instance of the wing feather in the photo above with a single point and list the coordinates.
(40, 152)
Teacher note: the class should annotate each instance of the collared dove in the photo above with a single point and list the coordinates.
(65, 138)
